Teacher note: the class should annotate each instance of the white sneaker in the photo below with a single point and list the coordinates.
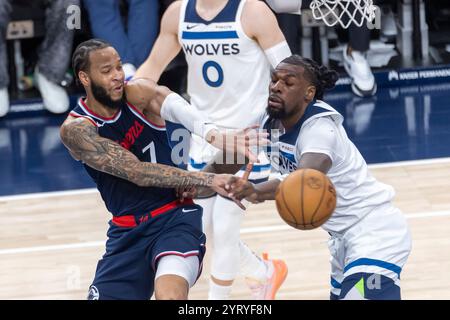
(129, 71)
(276, 274)
(357, 67)
(4, 102)
(55, 97)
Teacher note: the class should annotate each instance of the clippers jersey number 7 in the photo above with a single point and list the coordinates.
(151, 148)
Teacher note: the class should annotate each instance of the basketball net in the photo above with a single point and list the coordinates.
(344, 12)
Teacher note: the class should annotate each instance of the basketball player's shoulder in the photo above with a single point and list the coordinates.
(74, 129)
(258, 4)
(173, 10)
(319, 131)
(175, 6)
(257, 19)
(324, 124)
(255, 9)
(74, 120)
(171, 16)
(327, 111)
(144, 83)
(139, 91)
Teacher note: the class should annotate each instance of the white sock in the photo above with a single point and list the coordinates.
(252, 266)
(218, 292)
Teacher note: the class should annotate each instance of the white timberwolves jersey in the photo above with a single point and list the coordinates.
(320, 130)
(228, 73)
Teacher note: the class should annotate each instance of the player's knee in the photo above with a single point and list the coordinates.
(171, 287)
(226, 233)
(226, 248)
(171, 294)
(174, 276)
(224, 242)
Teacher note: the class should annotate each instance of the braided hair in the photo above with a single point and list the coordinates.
(80, 58)
(319, 76)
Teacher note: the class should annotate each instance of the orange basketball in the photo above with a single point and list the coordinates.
(305, 199)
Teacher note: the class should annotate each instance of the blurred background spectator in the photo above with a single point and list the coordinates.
(132, 35)
(132, 26)
(355, 61)
(53, 56)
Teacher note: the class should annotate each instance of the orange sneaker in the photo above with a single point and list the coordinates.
(277, 271)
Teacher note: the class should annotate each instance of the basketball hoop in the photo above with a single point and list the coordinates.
(344, 12)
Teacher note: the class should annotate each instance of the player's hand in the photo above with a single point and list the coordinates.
(239, 142)
(193, 192)
(186, 193)
(221, 185)
(244, 189)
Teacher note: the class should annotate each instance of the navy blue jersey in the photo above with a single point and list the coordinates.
(147, 141)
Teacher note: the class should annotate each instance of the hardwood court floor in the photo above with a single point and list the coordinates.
(49, 246)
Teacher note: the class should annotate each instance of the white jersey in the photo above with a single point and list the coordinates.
(320, 130)
(228, 73)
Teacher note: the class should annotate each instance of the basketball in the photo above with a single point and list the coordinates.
(306, 199)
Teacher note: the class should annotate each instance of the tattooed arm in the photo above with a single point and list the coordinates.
(84, 144)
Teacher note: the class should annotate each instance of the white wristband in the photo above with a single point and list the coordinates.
(286, 6)
(177, 110)
(278, 53)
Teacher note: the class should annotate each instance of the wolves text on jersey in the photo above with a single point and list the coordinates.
(281, 163)
(211, 49)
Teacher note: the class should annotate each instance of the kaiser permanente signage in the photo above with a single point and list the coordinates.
(401, 77)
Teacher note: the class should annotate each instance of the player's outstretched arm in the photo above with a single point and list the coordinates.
(84, 144)
(317, 161)
(255, 193)
(217, 165)
(261, 25)
(149, 97)
(166, 46)
(260, 192)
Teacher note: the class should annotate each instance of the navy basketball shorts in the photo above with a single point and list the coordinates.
(127, 269)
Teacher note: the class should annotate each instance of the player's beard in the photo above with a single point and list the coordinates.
(102, 96)
(276, 113)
